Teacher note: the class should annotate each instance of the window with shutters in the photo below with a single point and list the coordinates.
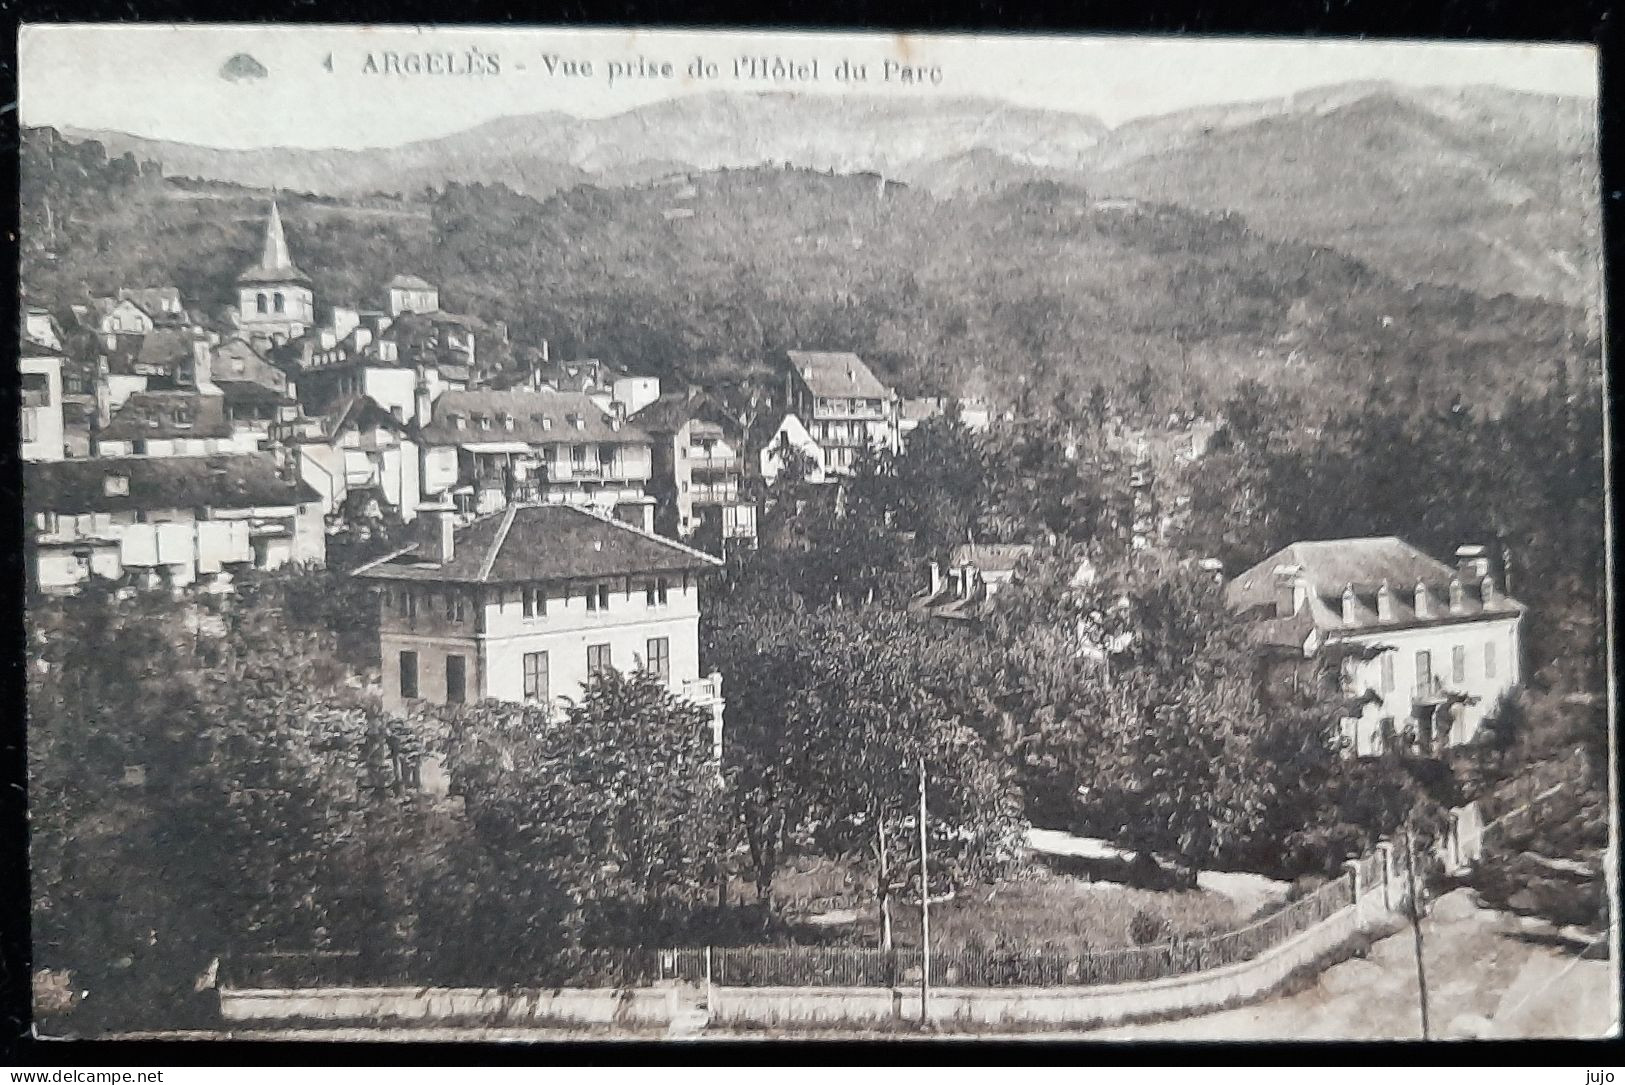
(1458, 664)
(536, 679)
(535, 601)
(659, 659)
(598, 660)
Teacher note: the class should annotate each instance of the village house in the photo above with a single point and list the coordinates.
(112, 317)
(697, 473)
(975, 573)
(171, 520)
(410, 294)
(605, 384)
(360, 448)
(1448, 637)
(789, 438)
(162, 304)
(525, 604)
(843, 406)
(486, 449)
(43, 429)
(39, 326)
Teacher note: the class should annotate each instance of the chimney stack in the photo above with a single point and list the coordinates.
(440, 535)
(1458, 595)
(1351, 604)
(1423, 604)
(1472, 563)
(1385, 603)
(936, 580)
(1290, 590)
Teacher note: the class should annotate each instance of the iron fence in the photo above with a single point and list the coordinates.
(855, 966)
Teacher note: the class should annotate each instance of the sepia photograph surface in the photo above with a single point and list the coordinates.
(541, 534)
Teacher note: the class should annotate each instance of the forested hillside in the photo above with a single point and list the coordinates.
(1025, 293)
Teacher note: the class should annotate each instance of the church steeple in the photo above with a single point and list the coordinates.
(276, 263)
(274, 253)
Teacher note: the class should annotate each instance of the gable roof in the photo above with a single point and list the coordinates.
(251, 393)
(542, 542)
(408, 282)
(837, 374)
(669, 412)
(1332, 566)
(227, 481)
(527, 409)
(148, 415)
(353, 412)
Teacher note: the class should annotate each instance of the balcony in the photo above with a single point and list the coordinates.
(702, 691)
(1429, 691)
(715, 495)
(715, 462)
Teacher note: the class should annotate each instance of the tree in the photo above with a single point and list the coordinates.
(878, 691)
(618, 802)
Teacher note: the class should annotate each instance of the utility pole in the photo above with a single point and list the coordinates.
(1416, 928)
(925, 912)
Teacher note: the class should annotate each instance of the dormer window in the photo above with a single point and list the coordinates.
(1350, 606)
(1423, 604)
(459, 422)
(116, 485)
(541, 419)
(506, 420)
(1385, 603)
(1458, 597)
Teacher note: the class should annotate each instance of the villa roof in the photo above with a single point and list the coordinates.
(537, 418)
(838, 374)
(1330, 568)
(542, 542)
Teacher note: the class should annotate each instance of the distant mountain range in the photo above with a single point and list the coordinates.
(1489, 189)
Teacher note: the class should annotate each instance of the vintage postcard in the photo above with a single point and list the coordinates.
(556, 534)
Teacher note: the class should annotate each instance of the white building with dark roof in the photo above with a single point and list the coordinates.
(1449, 635)
(174, 520)
(524, 605)
(843, 405)
(485, 449)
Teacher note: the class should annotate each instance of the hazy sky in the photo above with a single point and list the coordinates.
(166, 82)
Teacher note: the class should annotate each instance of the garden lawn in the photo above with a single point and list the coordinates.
(1036, 908)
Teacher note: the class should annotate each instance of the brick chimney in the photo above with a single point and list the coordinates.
(1385, 603)
(1290, 590)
